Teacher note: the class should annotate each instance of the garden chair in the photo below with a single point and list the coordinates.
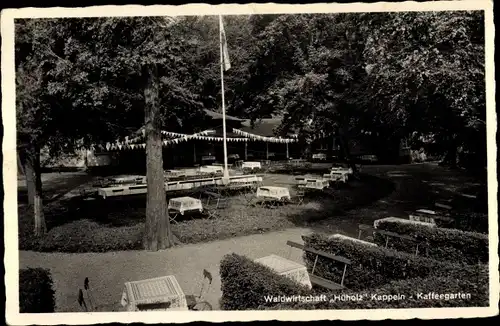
(298, 199)
(197, 302)
(222, 203)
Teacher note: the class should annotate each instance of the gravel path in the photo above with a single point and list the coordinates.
(108, 272)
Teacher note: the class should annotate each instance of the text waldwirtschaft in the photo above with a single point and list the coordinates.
(295, 298)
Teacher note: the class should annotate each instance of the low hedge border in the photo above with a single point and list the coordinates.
(467, 221)
(246, 283)
(36, 294)
(374, 266)
(442, 244)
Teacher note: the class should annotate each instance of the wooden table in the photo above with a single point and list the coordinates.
(161, 293)
(319, 156)
(180, 205)
(272, 195)
(339, 175)
(211, 169)
(127, 179)
(428, 216)
(316, 184)
(288, 268)
(251, 165)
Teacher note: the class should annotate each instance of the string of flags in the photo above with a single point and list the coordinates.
(132, 143)
(128, 144)
(262, 138)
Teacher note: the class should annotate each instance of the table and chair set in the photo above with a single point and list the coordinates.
(162, 293)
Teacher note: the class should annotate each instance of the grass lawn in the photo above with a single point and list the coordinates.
(117, 224)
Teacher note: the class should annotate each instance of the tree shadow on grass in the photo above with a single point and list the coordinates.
(336, 202)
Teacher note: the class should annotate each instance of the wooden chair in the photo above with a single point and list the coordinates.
(317, 280)
(222, 203)
(197, 302)
(389, 234)
(298, 199)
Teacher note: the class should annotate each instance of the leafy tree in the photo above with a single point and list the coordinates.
(427, 76)
(87, 81)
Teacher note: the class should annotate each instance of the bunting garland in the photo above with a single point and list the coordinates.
(128, 144)
(266, 139)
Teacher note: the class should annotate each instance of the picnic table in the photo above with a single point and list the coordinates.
(161, 293)
(251, 165)
(288, 268)
(180, 205)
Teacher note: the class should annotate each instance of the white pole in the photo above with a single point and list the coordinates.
(226, 172)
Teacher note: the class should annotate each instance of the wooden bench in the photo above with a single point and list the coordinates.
(388, 234)
(317, 280)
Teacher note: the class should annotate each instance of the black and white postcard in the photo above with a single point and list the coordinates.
(252, 162)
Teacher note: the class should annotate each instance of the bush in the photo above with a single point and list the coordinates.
(442, 244)
(373, 266)
(35, 291)
(468, 221)
(245, 284)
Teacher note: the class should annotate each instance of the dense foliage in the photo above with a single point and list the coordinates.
(373, 266)
(438, 243)
(414, 75)
(246, 284)
(35, 291)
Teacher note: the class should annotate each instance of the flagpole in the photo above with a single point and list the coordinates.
(226, 172)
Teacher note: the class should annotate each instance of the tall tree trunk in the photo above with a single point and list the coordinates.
(157, 233)
(344, 148)
(30, 158)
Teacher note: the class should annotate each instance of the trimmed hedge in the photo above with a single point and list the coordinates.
(468, 221)
(374, 266)
(245, 283)
(35, 291)
(443, 244)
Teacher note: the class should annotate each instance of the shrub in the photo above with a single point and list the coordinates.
(35, 291)
(373, 266)
(468, 221)
(245, 284)
(442, 244)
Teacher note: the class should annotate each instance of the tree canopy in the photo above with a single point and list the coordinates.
(397, 75)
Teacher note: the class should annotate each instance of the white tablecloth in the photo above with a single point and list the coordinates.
(182, 204)
(424, 215)
(319, 184)
(341, 169)
(319, 156)
(251, 165)
(158, 290)
(127, 179)
(288, 268)
(211, 169)
(273, 192)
